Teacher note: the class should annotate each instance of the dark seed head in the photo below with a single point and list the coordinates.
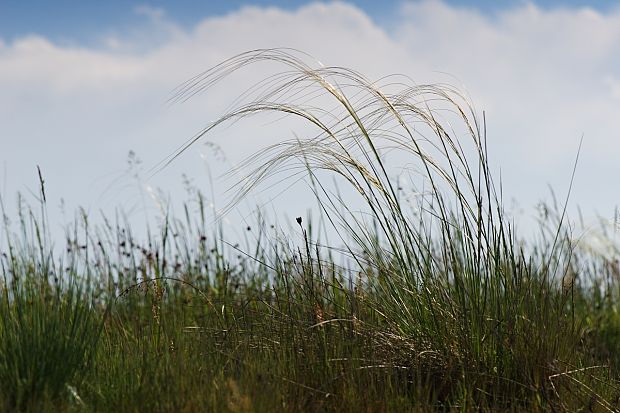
(298, 219)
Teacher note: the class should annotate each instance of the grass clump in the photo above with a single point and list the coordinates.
(443, 307)
(482, 316)
(48, 328)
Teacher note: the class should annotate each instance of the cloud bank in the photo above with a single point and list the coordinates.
(543, 77)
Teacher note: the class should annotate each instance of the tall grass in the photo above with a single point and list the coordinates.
(479, 313)
(48, 329)
(443, 306)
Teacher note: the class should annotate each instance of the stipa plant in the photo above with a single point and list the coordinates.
(464, 306)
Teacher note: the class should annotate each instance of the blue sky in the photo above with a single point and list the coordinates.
(83, 21)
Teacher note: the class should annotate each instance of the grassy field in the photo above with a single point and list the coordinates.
(442, 308)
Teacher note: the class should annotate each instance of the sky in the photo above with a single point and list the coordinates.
(84, 84)
(83, 22)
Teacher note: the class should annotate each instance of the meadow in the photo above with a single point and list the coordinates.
(441, 307)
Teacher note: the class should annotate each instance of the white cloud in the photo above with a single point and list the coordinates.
(614, 86)
(148, 34)
(543, 76)
(153, 13)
